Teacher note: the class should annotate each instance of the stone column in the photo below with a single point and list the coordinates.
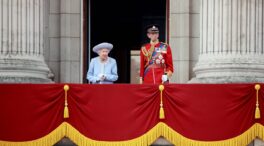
(231, 45)
(21, 42)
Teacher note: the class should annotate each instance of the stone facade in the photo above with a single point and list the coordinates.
(222, 40)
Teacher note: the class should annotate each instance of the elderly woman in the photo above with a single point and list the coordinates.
(102, 69)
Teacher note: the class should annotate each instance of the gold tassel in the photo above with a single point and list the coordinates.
(257, 111)
(66, 109)
(66, 112)
(161, 112)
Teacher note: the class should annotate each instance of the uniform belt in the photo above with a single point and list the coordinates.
(103, 82)
(156, 66)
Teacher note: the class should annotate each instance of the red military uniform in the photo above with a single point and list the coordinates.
(155, 60)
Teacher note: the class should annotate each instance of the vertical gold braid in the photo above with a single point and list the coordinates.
(151, 50)
(257, 111)
(161, 112)
(66, 109)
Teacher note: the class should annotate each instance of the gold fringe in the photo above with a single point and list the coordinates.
(161, 112)
(161, 129)
(66, 109)
(48, 140)
(257, 110)
(144, 140)
(242, 140)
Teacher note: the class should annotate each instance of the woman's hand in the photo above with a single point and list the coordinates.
(102, 78)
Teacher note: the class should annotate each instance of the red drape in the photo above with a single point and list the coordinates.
(210, 112)
(112, 113)
(29, 111)
(206, 112)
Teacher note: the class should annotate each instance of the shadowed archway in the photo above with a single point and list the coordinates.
(123, 23)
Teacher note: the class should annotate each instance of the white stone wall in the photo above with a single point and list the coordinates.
(184, 37)
(64, 51)
(52, 39)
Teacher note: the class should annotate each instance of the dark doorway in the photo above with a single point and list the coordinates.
(123, 23)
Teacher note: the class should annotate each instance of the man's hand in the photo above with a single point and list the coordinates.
(169, 74)
(140, 80)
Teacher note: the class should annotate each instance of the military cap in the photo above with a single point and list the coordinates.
(153, 29)
(101, 46)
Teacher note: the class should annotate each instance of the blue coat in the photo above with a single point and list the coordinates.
(97, 68)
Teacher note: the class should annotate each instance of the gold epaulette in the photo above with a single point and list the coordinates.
(164, 43)
(144, 51)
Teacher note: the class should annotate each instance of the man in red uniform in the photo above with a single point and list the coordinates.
(156, 64)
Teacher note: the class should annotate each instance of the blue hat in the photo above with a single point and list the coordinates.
(101, 46)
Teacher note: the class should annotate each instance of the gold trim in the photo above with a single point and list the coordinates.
(161, 129)
(48, 140)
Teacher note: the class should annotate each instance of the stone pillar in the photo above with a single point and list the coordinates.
(71, 41)
(231, 45)
(21, 42)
